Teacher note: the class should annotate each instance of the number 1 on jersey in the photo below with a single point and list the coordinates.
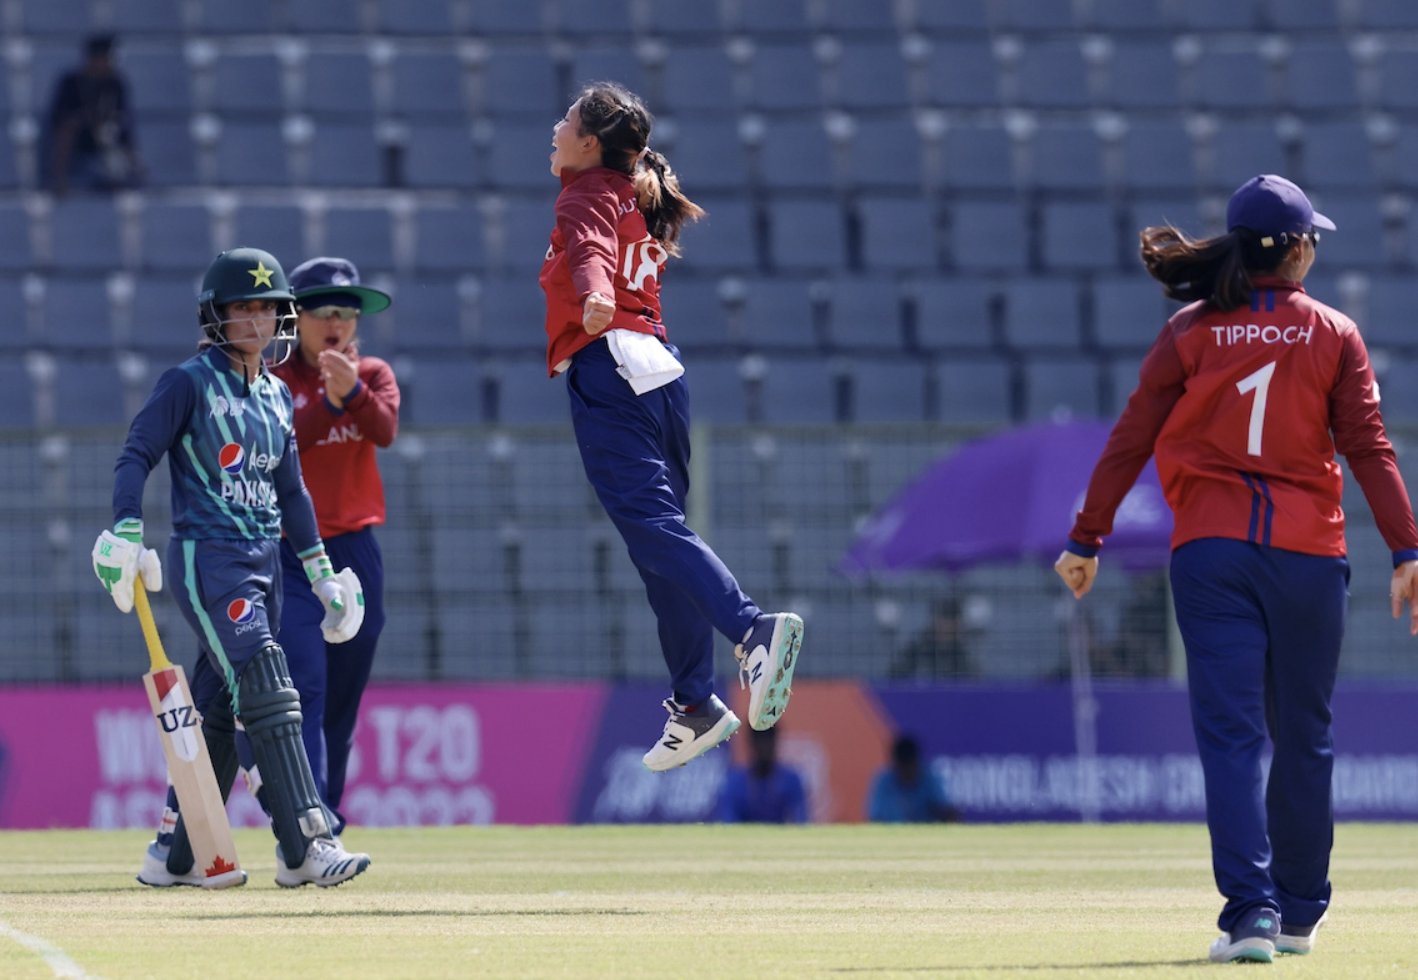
(1259, 382)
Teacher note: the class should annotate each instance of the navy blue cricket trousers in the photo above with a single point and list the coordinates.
(331, 677)
(635, 449)
(1262, 629)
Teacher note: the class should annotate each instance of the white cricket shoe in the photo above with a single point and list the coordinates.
(767, 657)
(689, 734)
(326, 863)
(154, 873)
(1299, 940)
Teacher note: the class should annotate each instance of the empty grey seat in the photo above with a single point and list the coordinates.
(523, 80)
(75, 315)
(1042, 313)
(278, 230)
(784, 77)
(1338, 156)
(1128, 312)
(525, 232)
(1320, 74)
(807, 235)
(1400, 398)
(246, 83)
(339, 84)
(525, 395)
(796, 155)
(855, 17)
(1029, 15)
(168, 153)
(159, 83)
(962, 73)
(85, 235)
(1231, 77)
(723, 240)
(988, 235)
(872, 76)
(595, 62)
(17, 339)
(164, 316)
(49, 60)
(788, 17)
(1389, 317)
(427, 317)
(15, 252)
(1053, 74)
(1361, 243)
(1080, 236)
(176, 237)
(897, 234)
(888, 391)
(448, 239)
(1128, 15)
(149, 17)
(220, 17)
(865, 314)
(954, 313)
(950, 17)
(581, 17)
(694, 316)
(697, 79)
(1244, 148)
(708, 156)
(364, 235)
(974, 391)
(1120, 379)
(777, 314)
(56, 16)
(1061, 386)
(1398, 78)
(497, 655)
(885, 153)
(346, 155)
(977, 157)
(432, 19)
(88, 393)
(511, 315)
(800, 391)
(442, 390)
(1067, 157)
(1177, 211)
(1383, 15)
(1157, 154)
(519, 156)
(1143, 75)
(427, 84)
(252, 153)
(1219, 15)
(321, 17)
(17, 408)
(716, 389)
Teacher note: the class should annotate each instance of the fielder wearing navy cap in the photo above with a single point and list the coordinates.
(1273, 207)
(336, 283)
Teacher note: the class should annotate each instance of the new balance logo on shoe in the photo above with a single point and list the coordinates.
(766, 657)
(689, 734)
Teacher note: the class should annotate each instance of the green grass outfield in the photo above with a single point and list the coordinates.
(1032, 901)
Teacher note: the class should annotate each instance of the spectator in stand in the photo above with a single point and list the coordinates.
(938, 653)
(89, 140)
(766, 790)
(907, 792)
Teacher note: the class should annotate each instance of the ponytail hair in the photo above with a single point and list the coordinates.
(1217, 270)
(617, 117)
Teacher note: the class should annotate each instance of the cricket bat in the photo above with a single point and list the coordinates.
(188, 765)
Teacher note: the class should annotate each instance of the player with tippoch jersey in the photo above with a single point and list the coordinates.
(346, 404)
(618, 219)
(224, 422)
(1244, 398)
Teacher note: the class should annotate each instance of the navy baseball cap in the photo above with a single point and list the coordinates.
(336, 282)
(1271, 205)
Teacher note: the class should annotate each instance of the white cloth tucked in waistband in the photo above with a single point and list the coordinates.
(642, 359)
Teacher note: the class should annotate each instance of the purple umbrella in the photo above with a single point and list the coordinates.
(1010, 497)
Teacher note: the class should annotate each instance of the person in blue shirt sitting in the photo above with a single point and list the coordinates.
(766, 790)
(907, 792)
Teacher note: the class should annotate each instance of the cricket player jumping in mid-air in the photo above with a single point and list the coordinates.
(225, 424)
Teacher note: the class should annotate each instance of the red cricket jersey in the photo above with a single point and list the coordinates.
(600, 245)
(1245, 410)
(337, 446)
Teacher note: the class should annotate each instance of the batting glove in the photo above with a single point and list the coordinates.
(341, 595)
(119, 558)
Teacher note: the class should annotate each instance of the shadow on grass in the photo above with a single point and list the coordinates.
(1018, 968)
(414, 913)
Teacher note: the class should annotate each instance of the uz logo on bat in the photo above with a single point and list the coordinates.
(183, 716)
